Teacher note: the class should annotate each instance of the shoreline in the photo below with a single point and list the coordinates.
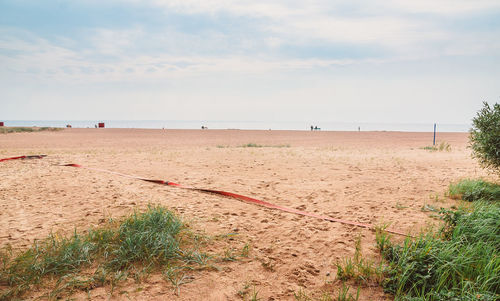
(235, 129)
(246, 125)
(158, 138)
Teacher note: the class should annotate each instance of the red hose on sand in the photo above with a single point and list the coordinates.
(24, 157)
(243, 198)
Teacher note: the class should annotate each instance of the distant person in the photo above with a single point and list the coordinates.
(312, 128)
(359, 129)
(95, 125)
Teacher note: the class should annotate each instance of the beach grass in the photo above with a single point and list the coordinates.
(359, 269)
(459, 262)
(260, 145)
(443, 146)
(154, 240)
(8, 130)
(474, 189)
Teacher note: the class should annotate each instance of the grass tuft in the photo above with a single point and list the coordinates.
(141, 243)
(252, 145)
(344, 294)
(260, 145)
(360, 269)
(473, 190)
(443, 146)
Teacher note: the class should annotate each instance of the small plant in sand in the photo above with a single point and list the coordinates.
(359, 269)
(252, 145)
(430, 148)
(345, 295)
(229, 255)
(142, 243)
(268, 264)
(301, 295)
(259, 145)
(245, 251)
(254, 295)
(443, 146)
(246, 293)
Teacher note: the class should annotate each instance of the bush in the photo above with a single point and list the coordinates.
(461, 262)
(485, 137)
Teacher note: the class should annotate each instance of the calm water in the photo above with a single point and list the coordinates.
(244, 125)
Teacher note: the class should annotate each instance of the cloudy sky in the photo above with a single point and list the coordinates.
(400, 61)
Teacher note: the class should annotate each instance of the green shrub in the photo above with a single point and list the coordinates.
(461, 262)
(485, 137)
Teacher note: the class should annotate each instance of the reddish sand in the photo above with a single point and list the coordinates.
(368, 177)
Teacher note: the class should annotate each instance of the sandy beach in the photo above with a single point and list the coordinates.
(369, 177)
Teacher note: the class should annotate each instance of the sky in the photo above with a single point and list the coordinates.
(392, 61)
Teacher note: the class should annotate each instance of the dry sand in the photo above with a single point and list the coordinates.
(368, 177)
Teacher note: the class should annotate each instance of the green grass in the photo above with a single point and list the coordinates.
(144, 242)
(359, 269)
(430, 148)
(252, 145)
(443, 146)
(8, 130)
(345, 295)
(259, 145)
(473, 190)
(459, 262)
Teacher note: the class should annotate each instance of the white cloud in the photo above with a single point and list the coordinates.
(288, 8)
(281, 24)
(391, 25)
(444, 7)
(113, 42)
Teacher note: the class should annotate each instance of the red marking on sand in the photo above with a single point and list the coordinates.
(243, 198)
(23, 157)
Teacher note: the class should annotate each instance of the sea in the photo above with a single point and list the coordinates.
(245, 125)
